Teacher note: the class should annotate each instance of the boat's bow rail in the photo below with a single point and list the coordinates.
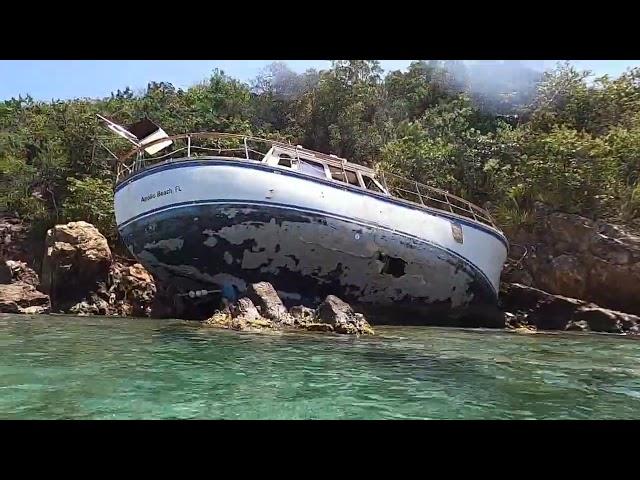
(242, 147)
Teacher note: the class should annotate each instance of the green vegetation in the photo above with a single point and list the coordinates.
(564, 137)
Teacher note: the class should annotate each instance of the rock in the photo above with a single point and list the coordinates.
(123, 309)
(341, 317)
(519, 276)
(603, 320)
(614, 286)
(5, 272)
(219, 319)
(14, 239)
(509, 318)
(128, 291)
(95, 304)
(266, 298)
(244, 308)
(21, 297)
(84, 308)
(569, 276)
(245, 317)
(555, 312)
(580, 326)
(517, 298)
(77, 257)
(573, 256)
(572, 229)
(23, 273)
(514, 321)
(611, 250)
(302, 314)
(317, 327)
(539, 308)
(333, 311)
(132, 289)
(338, 317)
(526, 329)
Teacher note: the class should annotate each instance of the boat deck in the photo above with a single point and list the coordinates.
(192, 146)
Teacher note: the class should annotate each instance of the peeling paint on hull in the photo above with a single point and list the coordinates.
(306, 256)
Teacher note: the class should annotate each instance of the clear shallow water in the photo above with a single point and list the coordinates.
(55, 367)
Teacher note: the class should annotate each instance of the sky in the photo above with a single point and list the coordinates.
(65, 79)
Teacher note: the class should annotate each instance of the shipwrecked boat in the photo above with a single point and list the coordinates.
(220, 211)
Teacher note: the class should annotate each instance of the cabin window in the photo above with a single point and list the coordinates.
(370, 184)
(313, 169)
(346, 176)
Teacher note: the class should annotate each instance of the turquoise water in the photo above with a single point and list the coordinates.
(56, 367)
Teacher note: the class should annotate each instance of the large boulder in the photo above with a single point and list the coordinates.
(569, 275)
(341, 317)
(265, 296)
(537, 307)
(77, 258)
(614, 286)
(129, 291)
(21, 297)
(570, 229)
(573, 256)
(533, 307)
(610, 321)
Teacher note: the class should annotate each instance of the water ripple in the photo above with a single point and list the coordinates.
(68, 367)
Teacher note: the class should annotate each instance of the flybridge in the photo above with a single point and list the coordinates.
(141, 134)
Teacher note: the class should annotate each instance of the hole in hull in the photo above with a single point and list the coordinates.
(392, 265)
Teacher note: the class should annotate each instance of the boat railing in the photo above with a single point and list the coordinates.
(253, 148)
(421, 194)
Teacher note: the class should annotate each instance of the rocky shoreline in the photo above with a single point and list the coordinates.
(269, 313)
(569, 263)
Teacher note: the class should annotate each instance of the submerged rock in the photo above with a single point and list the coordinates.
(21, 297)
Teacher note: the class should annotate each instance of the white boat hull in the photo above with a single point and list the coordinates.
(213, 222)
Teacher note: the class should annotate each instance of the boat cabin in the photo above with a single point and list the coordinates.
(323, 166)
